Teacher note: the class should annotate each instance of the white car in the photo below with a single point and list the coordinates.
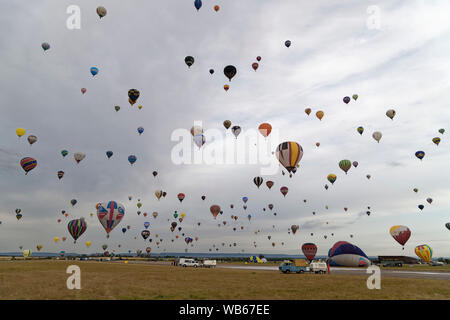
(209, 263)
(318, 267)
(188, 263)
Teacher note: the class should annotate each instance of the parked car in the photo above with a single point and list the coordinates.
(297, 266)
(318, 267)
(209, 263)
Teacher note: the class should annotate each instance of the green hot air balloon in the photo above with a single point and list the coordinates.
(355, 97)
(345, 165)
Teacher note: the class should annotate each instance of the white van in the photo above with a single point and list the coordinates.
(209, 263)
(318, 267)
(188, 263)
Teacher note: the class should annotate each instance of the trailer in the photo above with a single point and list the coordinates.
(209, 263)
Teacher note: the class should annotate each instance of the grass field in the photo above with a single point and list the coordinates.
(100, 280)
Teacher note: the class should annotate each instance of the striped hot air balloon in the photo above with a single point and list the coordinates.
(76, 228)
(28, 164)
(345, 165)
(258, 181)
(110, 214)
(289, 154)
(424, 252)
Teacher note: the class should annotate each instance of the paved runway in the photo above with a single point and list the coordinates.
(438, 275)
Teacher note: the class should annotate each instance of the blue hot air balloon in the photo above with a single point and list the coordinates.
(124, 230)
(198, 4)
(140, 130)
(421, 206)
(132, 159)
(94, 71)
(420, 154)
(346, 254)
(146, 224)
(245, 199)
(109, 154)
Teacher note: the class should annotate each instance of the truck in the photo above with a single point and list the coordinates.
(296, 265)
(301, 266)
(188, 263)
(209, 263)
(318, 267)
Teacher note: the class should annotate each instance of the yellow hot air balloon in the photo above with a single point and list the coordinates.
(20, 132)
(56, 239)
(26, 253)
(39, 247)
(424, 252)
(289, 154)
(320, 114)
(139, 107)
(88, 244)
(183, 215)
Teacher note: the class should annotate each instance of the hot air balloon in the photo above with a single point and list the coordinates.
(216, 8)
(346, 100)
(326, 187)
(146, 224)
(56, 239)
(331, 177)
(424, 252)
(227, 124)
(377, 136)
(211, 71)
(145, 234)
(83, 90)
(401, 234)
(230, 71)
(429, 200)
(133, 95)
(158, 194)
(196, 130)
(109, 154)
(236, 131)
(441, 131)
(416, 190)
(198, 4)
(189, 61)
(215, 209)
(308, 111)
(258, 181)
(320, 114)
(28, 164)
(132, 159)
(309, 250)
(124, 230)
(73, 202)
(287, 43)
(355, 163)
(355, 97)
(76, 228)
(110, 214)
(78, 156)
(105, 246)
(117, 108)
(421, 206)
(269, 184)
(368, 176)
(245, 199)
(45, 46)
(94, 71)
(436, 140)
(360, 130)
(346, 254)
(255, 65)
(289, 154)
(139, 205)
(101, 11)
(64, 153)
(31, 139)
(140, 130)
(26, 253)
(420, 154)
(294, 228)
(265, 129)
(284, 191)
(448, 225)
(226, 87)
(345, 165)
(390, 114)
(199, 140)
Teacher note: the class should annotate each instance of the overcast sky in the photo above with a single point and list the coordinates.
(393, 55)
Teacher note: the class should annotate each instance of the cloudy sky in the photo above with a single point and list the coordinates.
(393, 54)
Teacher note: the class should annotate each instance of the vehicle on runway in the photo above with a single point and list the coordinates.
(209, 263)
(188, 263)
(318, 267)
(302, 266)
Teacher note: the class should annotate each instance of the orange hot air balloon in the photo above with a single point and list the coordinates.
(226, 87)
(265, 129)
(215, 209)
(255, 65)
(319, 114)
(216, 8)
(64, 238)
